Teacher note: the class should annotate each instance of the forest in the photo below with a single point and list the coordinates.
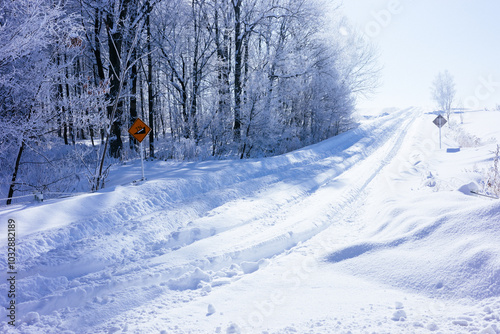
(213, 79)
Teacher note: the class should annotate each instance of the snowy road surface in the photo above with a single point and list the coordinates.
(363, 233)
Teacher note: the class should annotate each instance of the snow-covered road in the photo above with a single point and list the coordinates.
(258, 245)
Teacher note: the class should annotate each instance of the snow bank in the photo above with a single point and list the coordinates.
(465, 261)
(435, 236)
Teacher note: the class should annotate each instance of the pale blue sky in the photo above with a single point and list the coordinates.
(417, 39)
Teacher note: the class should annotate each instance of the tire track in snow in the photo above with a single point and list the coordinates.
(280, 243)
(108, 222)
(319, 168)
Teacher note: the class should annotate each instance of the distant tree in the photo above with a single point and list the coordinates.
(443, 91)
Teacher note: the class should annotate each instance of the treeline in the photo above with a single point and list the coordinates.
(212, 78)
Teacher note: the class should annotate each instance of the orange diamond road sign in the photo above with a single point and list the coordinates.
(139, 130)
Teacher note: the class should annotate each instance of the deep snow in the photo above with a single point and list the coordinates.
(373, 231)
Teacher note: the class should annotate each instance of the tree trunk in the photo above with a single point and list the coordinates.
(14, 175)
(184, 93)
(150, 87)
(133, 99)
(99, 64)
(223, 67)
(62, 110)
(115, 41)
(72, 131)
(238, 40)
(196, 78)
(97, 45)
(65, 127)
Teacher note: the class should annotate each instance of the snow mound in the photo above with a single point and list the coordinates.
(189, 281)
(467, 189)
(466, 257)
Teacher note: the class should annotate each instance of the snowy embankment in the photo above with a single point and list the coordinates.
(365, 232)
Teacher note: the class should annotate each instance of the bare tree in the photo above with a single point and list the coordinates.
(443, 91)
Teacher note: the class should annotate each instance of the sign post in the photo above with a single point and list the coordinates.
(142, 161)
(440, 121)
(139, 130)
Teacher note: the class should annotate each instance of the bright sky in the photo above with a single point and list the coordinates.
(417, 39)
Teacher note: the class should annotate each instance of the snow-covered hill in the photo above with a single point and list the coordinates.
(373, 231)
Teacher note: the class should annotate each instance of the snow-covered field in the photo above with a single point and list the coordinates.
(373, 231)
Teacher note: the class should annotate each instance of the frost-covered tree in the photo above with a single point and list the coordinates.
(29, 33)
(443, 91)
(40, 87)
(255, 77)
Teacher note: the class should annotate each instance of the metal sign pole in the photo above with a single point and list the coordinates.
(142, 161)
(439, 138)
